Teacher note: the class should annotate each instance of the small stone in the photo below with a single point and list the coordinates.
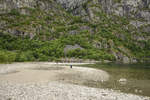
(123, 81)
(126, 60)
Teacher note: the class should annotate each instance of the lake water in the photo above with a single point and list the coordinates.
(137, 78)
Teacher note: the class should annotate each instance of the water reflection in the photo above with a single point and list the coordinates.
(125, 78)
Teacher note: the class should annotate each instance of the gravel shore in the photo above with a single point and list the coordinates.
(60, 91)
(54, 89)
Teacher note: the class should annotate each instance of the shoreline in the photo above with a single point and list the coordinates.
(51, 82)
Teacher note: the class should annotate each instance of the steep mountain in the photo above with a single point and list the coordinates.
(45, 30)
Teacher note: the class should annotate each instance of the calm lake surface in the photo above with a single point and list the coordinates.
(137, 78)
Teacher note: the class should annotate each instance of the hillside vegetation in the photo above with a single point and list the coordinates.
(35, 34)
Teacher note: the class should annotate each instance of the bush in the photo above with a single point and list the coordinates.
(76, 53)
(7, 56)
(14, 12)
(25, 56)
(43, 58)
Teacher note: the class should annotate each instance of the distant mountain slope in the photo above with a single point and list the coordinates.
(44, 30)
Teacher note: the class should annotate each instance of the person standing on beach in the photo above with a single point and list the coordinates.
(70, 66)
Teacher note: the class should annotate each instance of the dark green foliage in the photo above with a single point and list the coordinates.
(7, 56)
(117, 1)
(14, 12)
(28, 50)
(90, 54)
(78, 53)
(25, 56)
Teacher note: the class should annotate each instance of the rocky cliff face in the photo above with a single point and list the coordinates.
(134, 9)
(137, 11)
(8, 5)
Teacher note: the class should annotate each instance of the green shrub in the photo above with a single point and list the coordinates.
(14, 12)
(43, 58)
(21, 57)
(7, 56)
(76, 53)
(25, 56)
(117, 1)
(76, 19)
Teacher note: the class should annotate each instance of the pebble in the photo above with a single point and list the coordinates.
(60, 91)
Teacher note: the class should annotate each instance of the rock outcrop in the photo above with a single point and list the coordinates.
(132, 9)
